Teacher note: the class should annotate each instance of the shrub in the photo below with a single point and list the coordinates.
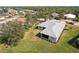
(11, 33)
(77, 18)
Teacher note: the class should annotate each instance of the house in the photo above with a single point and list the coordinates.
(4, 19)
(25, 11)
(12, 11)
(1, 10)
(70, 16)
(52, 29)
(55, 16)
(41, 19)
(5, 15)
(31, 11)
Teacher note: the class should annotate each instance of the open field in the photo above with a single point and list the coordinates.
(32, 43)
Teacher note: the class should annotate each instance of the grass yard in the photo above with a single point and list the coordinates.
(32, 43)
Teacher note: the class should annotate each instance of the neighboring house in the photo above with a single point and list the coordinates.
(41, 19)
(22, 13)
(4, 19)
(55, 16)
(5, 15)
(31, 11)
(12, 11)
(70, 16)
(25, 11)
(52, 29)
(1, 10)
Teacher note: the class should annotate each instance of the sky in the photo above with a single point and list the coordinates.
(39, 2)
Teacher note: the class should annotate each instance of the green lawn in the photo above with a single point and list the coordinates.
(32, 43)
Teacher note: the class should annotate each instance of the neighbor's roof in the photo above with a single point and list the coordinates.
(70, 15)
(5, 14)
(55, 14)
(41, 19)
(4, 20)
(53, 28)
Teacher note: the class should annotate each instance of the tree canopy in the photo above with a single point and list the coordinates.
(11, 33)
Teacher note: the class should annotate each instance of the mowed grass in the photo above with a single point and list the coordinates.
(31, 43)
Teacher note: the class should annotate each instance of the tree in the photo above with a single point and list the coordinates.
(28, 17)
(77, 18)
(11, 33)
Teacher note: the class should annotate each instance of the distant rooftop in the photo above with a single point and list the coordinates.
(4, 14)
(70, 15)
(4, 19)
(55, 14)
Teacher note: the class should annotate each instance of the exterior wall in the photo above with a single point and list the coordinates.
(69, 18)
(52, 39)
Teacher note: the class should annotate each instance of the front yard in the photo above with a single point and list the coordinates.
(32, 43)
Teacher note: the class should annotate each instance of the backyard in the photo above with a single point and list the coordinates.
(32, 43)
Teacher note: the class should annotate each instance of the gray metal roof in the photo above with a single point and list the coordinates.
(4, 14)
(53, 28)
(55, 14)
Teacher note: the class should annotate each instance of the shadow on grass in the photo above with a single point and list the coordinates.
(72, 42)
(11, 43)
